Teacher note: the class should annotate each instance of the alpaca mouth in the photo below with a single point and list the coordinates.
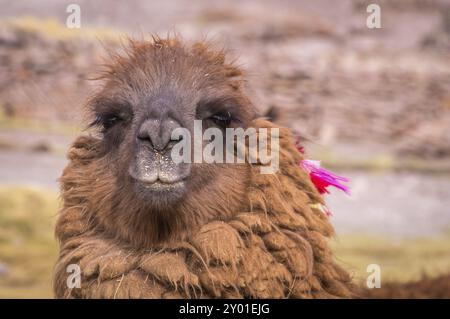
(160, 194)
(157, 179)
(159, 191)
(159, 185)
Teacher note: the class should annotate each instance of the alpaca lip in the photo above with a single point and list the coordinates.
(159, 185)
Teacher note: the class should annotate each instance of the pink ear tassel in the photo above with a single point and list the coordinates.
(323, 178)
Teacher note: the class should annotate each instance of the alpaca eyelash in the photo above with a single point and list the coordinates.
(108, 113)
(110, 121)
(222, 119)
(106, 121)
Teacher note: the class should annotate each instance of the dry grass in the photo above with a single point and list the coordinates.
(53, 29)
(400, 260)
(27, 246)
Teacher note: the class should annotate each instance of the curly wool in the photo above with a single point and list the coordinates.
(276, 247)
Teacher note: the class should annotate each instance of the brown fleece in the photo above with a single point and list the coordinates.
(276, 247)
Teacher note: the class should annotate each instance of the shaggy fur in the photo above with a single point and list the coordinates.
(276, 247)
(247, 235)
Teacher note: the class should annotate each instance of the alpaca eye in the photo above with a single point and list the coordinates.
(110, 122)
(222, 119)
(106, 121)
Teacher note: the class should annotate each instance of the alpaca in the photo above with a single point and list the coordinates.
(195, 230)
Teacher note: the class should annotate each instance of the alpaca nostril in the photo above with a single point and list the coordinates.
(173, 142)
(158, 133)
(144, 137)
(176, 138)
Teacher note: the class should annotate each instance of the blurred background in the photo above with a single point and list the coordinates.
(372, 104)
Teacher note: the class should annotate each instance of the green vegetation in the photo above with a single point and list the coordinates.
(28, 249)
(400, 260)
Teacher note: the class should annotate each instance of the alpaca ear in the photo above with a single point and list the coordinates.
(272, 114)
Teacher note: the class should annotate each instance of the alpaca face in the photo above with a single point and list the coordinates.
(155, 89)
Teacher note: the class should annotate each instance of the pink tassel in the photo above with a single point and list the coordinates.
(323, 178)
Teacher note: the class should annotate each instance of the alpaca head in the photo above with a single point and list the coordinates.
(153, 89)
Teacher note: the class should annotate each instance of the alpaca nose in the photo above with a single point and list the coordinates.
(159, 133)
